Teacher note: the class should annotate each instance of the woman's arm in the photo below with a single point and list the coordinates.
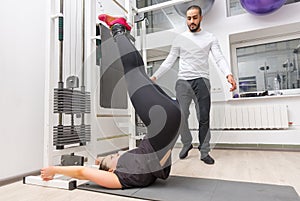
(100, 177)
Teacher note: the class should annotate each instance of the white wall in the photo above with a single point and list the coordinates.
(22, 77)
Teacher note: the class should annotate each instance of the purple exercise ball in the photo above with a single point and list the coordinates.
(262, 7)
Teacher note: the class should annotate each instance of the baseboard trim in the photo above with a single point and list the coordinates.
(14, 179)
(270, 147)
(275, 147)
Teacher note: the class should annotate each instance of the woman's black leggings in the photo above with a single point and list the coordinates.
(156, 109)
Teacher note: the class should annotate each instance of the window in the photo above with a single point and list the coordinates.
(159, 20)
(258, 66)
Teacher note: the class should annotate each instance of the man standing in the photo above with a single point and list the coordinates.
(193, 48)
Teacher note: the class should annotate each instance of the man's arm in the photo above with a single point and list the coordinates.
(222, 63)
(167, 64)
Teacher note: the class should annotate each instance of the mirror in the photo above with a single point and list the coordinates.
(259, 65)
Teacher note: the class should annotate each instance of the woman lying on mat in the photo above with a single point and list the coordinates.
(141, 166)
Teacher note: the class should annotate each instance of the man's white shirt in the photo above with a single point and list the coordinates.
(193, 49)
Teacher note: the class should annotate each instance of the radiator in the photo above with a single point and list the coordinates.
(249, 117)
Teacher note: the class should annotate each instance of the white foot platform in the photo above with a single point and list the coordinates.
(59, 181)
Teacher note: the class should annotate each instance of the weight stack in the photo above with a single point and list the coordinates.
(67, 135)
(71, 102)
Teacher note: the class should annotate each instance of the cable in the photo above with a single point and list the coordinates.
(76, 35)
(70, 39)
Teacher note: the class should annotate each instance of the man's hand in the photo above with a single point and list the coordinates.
(231, 80)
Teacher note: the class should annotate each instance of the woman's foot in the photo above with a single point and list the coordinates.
(110, 21)
(47, 173)
(117, 29)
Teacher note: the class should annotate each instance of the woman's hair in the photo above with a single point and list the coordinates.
(195, 7)
(103, 166)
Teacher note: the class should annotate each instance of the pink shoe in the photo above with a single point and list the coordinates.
(110, 21)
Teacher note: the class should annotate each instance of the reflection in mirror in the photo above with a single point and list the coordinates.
(269, 67)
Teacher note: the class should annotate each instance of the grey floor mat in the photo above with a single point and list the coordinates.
(177, 188)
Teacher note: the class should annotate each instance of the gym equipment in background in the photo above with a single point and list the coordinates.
(262, 7)
(59, 181)
(68, 100)
(72, 160)
(205, 5)
(69, 103)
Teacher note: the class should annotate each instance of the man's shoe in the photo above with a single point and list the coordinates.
(208, 160)
(184, 152)
(110, 21)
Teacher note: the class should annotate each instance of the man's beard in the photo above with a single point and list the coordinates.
(195, 29)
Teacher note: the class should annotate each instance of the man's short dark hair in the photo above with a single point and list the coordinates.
(195, 7)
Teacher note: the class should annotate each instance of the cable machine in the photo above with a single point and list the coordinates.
(71, 101)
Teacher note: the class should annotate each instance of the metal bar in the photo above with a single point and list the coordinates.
(60, 36)
(122, 7)
(113, 115)
(112, 137)
(83, 46)
(297, 66)
(144, 42)
(83, 57)
(161, 5)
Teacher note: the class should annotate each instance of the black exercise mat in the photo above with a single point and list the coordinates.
(177, 188)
